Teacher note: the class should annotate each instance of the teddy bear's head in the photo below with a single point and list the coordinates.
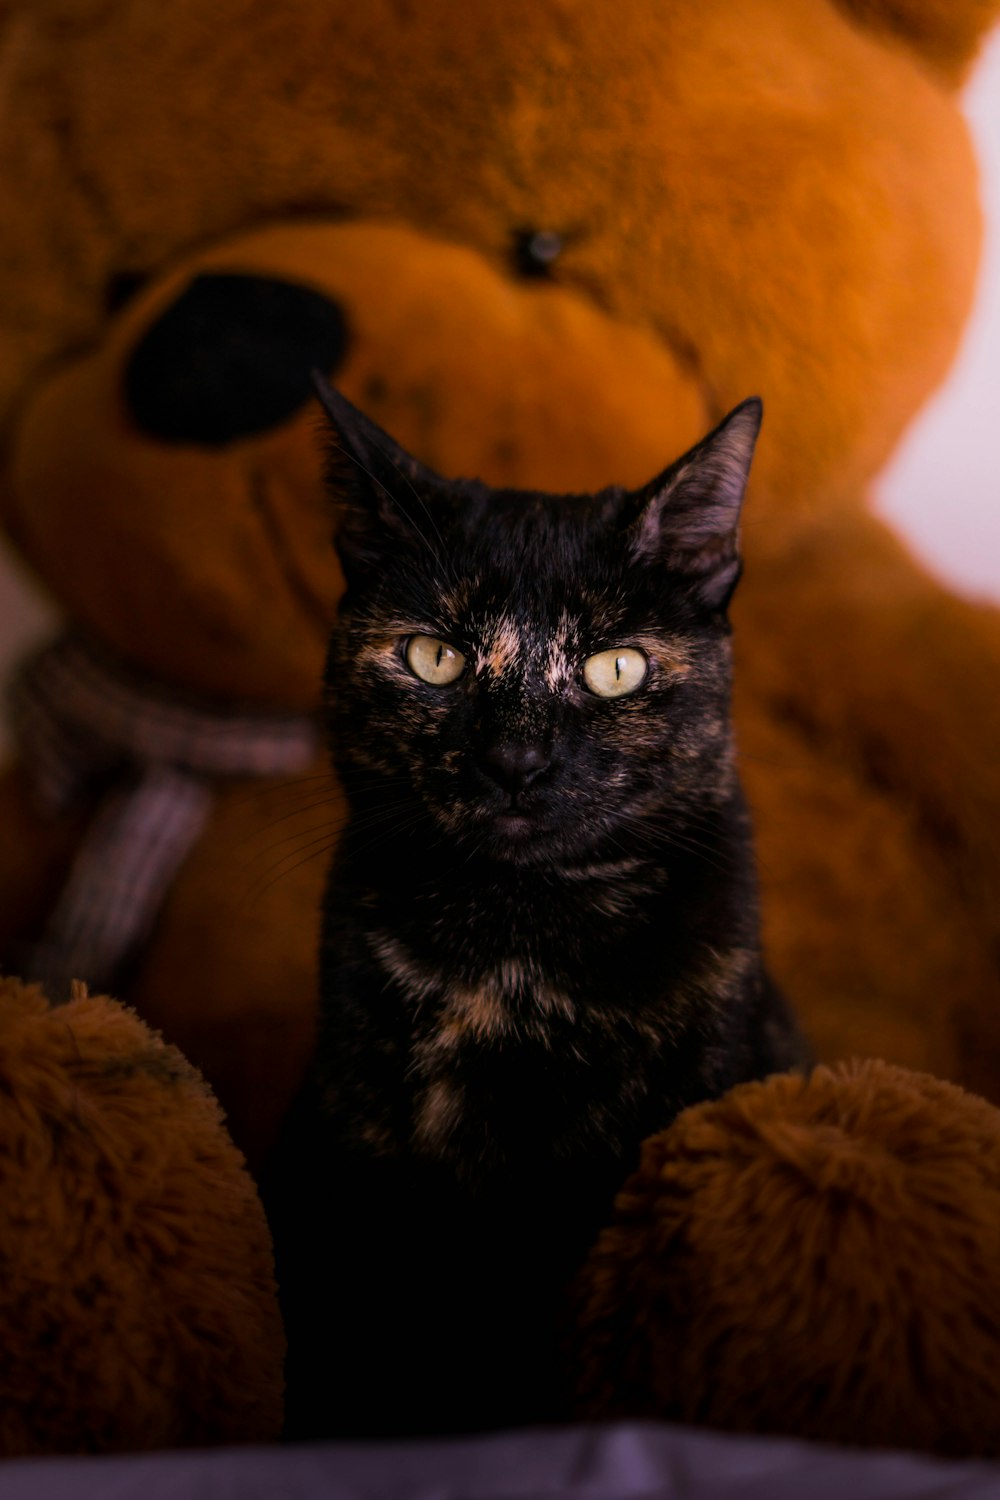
(548, 243)
(195, 443)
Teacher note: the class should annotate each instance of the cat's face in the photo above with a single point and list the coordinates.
(542, 675)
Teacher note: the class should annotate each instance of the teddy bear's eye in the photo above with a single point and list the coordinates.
(536, 250)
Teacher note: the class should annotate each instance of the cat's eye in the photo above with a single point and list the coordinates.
(433, 661)
(612, 674)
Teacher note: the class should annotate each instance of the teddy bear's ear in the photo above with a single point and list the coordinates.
(945, 33)
(687, 519)
(380, 490)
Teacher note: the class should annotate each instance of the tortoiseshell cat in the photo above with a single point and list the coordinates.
(540, 936)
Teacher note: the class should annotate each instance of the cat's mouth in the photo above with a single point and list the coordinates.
(514, 821)
(515, 830)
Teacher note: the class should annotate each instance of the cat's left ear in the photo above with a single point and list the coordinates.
(378, 486)
(689, 516)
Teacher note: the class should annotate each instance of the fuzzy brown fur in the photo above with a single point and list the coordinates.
(137, 1298)
(817, 1257)
(776, 198)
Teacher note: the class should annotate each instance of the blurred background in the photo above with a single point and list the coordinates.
(942, 489)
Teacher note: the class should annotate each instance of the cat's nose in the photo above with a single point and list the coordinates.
(514, 766)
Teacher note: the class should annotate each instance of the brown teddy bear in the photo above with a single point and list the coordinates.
(137, 1300)
(812, 1256)
(563, 242)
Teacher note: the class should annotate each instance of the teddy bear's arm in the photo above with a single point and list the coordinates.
(896, 679)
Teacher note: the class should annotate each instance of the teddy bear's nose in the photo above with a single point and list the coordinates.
(231, 356)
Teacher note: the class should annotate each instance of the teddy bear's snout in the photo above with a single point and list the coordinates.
(231, 356)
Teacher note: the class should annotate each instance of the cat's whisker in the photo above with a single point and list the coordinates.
(256, 892)
(295, 812)
(338, 824)
(286, 786)
(688, 831)
(654, 832)
(402, 827)
(330, 827)
(323, 843)
(337, 798)
(723, 866)
(328, 831)
(301, 806)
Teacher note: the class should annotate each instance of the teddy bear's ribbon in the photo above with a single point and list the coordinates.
(83, 723)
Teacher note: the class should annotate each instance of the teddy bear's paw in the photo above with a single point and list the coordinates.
(137, 1300)
(810, 1256)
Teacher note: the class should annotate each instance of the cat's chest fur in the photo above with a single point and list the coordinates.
(508, 1018)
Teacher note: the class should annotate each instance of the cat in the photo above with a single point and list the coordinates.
(540, 933)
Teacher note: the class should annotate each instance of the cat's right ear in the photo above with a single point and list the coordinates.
(376, 485)
(689, 516)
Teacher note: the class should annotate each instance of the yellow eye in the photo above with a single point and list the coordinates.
(433, 661)
(612, 674)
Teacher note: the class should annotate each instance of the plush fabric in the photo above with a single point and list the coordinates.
(772, 198)
(137, 1299)
(817, 1257)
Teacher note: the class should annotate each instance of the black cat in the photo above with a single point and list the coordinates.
(540, 937)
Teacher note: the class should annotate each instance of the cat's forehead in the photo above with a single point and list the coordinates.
(519, 616)
(540, 596)
(526, 528)
(538, 555)
(528, 633)
(511, 645)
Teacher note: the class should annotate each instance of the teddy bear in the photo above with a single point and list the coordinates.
(138, 1301)
(815, 1256)
(809, 1255)
(563, 242)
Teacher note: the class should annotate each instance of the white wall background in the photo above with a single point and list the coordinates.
(942, 489)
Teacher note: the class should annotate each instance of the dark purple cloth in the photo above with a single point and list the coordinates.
(579, 1463)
